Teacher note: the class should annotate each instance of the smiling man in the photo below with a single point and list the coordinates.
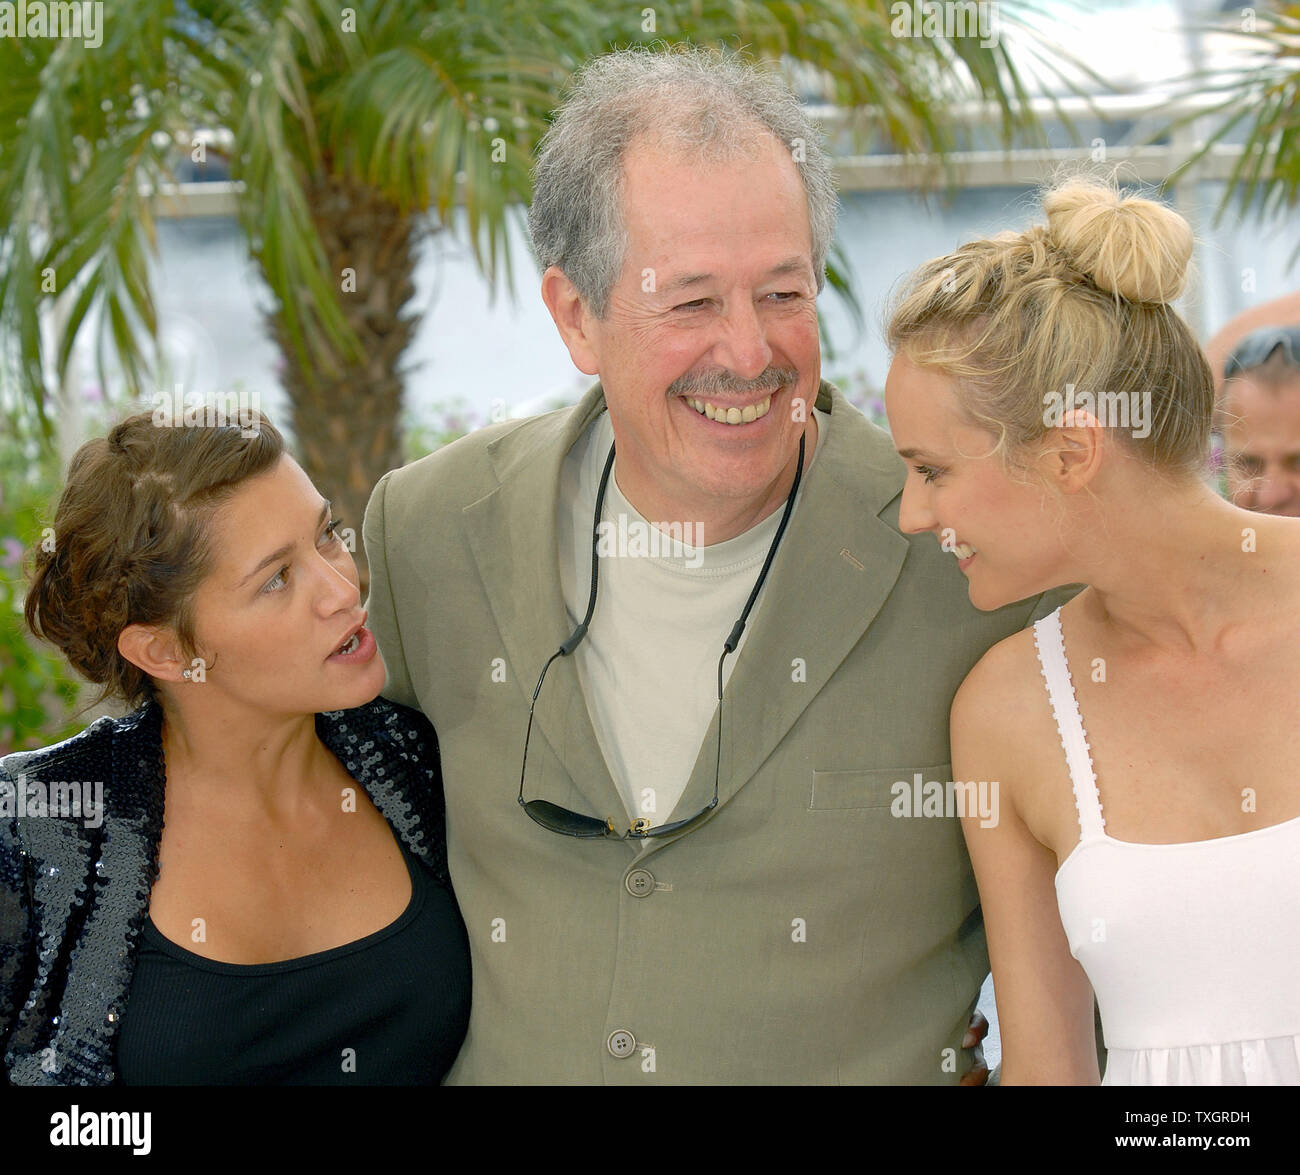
(708, 348)
(659, 886)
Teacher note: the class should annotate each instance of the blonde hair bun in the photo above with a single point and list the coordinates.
(1136, 248)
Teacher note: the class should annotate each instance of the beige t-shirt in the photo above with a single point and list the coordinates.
(649, 663)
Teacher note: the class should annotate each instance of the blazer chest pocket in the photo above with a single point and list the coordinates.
(875, 788)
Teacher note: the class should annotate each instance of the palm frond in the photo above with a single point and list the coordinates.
(1258, 100)
(79, 147)
(433, 108)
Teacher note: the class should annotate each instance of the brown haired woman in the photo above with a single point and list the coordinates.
(1055, 411)
(263, 896)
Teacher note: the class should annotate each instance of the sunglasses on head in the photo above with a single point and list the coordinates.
(1256, 349)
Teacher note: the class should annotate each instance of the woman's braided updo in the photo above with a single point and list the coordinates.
(130, 541)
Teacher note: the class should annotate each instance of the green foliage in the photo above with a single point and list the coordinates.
(863, 395)
(38, 691)
(453, 419)
(1258, 104)
(432, 105)
(443, 424)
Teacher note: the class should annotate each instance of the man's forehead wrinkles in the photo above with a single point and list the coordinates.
(789, 266)
(687, 279)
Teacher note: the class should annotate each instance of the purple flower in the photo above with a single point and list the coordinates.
(13, 552)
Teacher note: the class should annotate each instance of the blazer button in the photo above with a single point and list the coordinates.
(621, 1042)
(640, 883)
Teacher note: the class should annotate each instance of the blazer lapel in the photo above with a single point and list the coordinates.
(834, 570)
(512, 532)
(836, 566)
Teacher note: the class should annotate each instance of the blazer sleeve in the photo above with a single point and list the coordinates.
(1049, 601)
(380, 604)
(17, 948)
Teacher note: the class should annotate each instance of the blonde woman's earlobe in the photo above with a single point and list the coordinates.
(1082, 455)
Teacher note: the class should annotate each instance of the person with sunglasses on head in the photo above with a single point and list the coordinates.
(250, 887)
(1259, 415)
(1280, 311)
(678, 654)
(1056, 410)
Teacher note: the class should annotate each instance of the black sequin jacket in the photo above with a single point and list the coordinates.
(73, 898)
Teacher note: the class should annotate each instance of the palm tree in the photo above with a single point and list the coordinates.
(355, 131)
(1257, 103)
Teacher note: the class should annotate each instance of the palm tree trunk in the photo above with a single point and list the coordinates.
(346, 417)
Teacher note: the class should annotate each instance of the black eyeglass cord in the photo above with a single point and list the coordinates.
(729, 646)
(575, 638)
(738, 628)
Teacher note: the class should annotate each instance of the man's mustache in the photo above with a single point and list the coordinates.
(699, 383)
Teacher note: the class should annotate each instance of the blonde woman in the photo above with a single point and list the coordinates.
(1054, 411)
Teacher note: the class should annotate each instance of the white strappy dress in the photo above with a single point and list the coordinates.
(1192, 949)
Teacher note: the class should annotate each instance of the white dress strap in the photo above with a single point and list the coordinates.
(1065, 706)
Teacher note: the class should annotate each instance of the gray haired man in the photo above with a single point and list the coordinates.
(697, 871)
